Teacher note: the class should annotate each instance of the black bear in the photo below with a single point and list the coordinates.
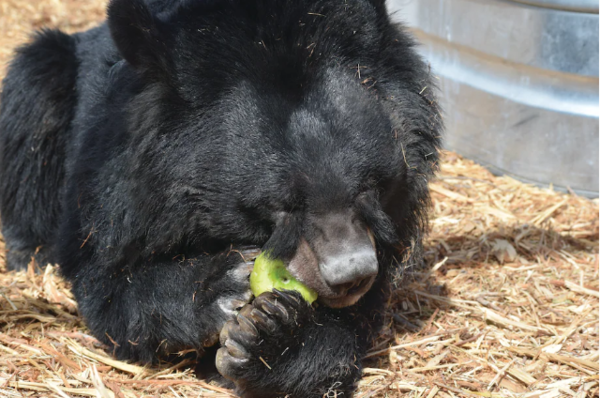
(154, 156)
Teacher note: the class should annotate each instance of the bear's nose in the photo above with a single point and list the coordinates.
(348, 270)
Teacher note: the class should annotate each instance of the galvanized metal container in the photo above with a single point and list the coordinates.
(519, 83)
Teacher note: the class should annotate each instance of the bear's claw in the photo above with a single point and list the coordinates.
(255, 333)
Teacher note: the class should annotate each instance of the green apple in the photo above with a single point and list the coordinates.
(269, 274)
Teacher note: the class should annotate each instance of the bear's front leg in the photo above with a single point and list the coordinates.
(148, 311)
(280, 346)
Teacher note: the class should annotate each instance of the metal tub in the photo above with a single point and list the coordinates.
(519, 83)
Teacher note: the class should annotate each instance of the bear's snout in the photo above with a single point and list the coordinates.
(337, 259)
(347, 268)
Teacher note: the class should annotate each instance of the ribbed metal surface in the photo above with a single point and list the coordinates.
(590, 6)
(519, 85)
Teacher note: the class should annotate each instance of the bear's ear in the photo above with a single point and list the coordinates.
(137, 34)
(379, 6)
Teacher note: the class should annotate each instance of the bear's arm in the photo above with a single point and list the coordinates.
(279, 346)
(163, 304)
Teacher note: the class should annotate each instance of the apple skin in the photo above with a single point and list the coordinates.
(269, 274)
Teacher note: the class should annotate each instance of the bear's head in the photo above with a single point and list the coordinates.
(308, 127)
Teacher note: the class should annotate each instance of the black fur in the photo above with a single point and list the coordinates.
(38, 103)
(139, 153)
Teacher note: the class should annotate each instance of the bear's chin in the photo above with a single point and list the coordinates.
(341, 302)
(348, 299)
